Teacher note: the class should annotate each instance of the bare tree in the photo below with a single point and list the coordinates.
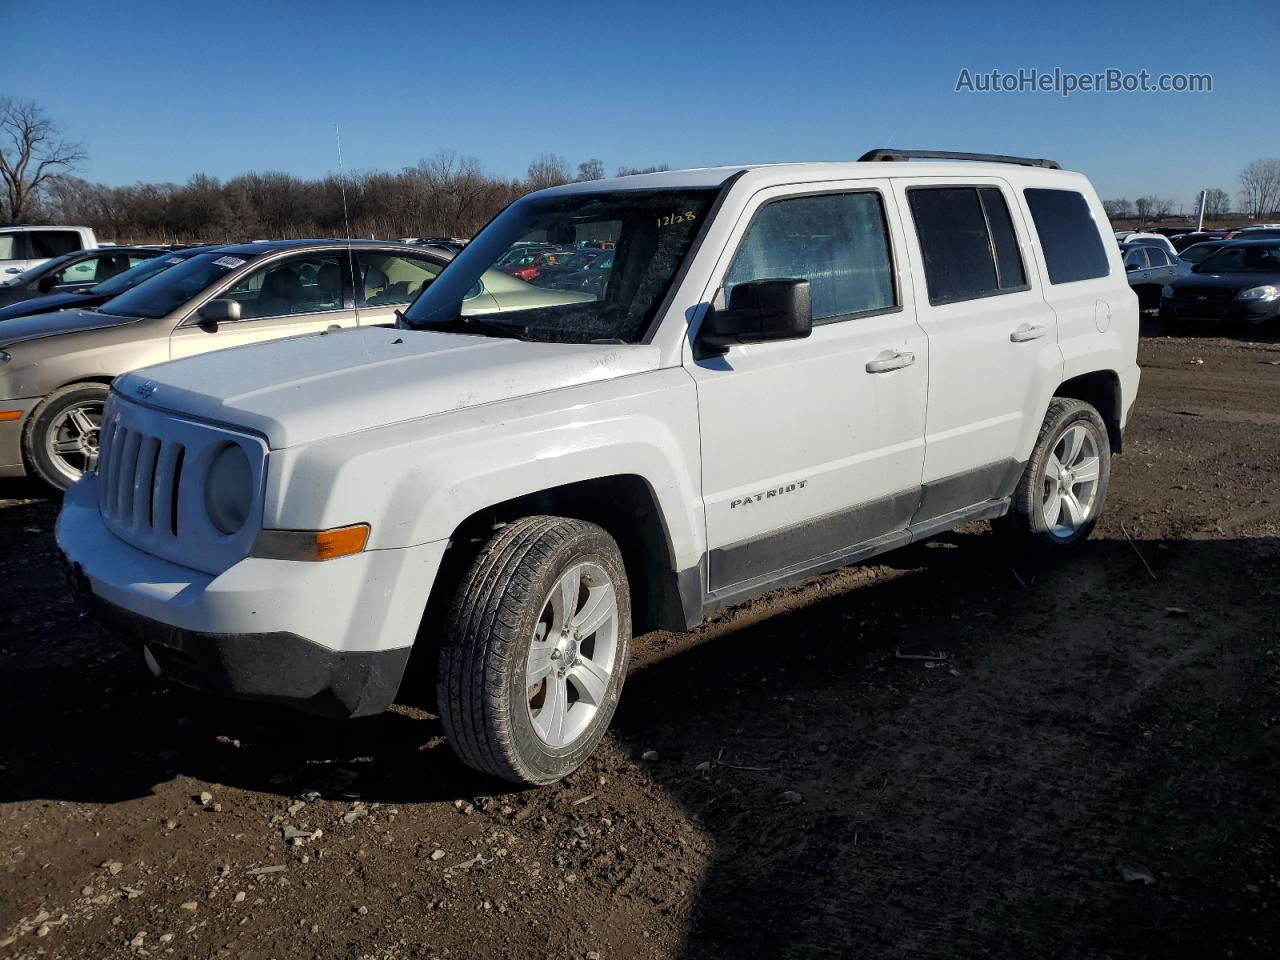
(1117, 209)
(1260, 187)
(1161, 207)
(1216, 203)
(632, 171)
(548, 170)
(32, 154)
(1144, 206)
(590, 170)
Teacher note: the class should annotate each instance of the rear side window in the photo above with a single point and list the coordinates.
(1068, 235)
(967, 239)
(47, 244)
(1157, 257)
(838, 242)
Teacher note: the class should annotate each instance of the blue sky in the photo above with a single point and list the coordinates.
(162, 91)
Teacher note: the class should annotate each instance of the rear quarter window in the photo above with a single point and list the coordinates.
(1068, 234)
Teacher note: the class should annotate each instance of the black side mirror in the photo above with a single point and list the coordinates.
(47, 283)
(1131, 267)
(219, 311)
(759, 311)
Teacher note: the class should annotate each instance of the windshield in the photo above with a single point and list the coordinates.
(134, 276)
(34, 273)
(170, 289)
(1250, 259)
(525, 269)
(1199, 252)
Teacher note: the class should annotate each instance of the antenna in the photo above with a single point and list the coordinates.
(346, 220)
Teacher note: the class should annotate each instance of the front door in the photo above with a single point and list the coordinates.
(286, 297)
(810, 447)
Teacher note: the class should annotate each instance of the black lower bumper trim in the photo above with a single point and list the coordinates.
(279, 667)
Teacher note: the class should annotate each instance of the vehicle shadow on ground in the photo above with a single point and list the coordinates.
(1153, 326)
(1087, 719)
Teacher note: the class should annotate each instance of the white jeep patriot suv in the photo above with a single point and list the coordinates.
(696, 386)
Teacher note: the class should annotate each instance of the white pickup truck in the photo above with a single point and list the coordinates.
(734, 378)
(23, 246)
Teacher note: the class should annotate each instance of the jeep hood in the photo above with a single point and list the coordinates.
(308, 388)
(40, 325)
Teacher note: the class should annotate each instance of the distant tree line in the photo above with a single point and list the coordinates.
(446, 194)
(1258, 198)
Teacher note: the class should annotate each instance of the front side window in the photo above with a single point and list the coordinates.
(525, 271)
(1069, 236)
(298, 285)
(968, 242)
(387, 278)
(1135, 257)
(838, 242)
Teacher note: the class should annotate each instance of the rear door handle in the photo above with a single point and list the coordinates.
(896, 362)
(1026, 332)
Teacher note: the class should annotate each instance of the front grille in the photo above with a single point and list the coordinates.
(150, 478)
(1187, 294)
(139, 477)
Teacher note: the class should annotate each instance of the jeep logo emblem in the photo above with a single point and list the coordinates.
(144, 390)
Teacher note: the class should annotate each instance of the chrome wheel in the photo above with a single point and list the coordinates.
(1071, 481)
(71, 441)
(573, 655)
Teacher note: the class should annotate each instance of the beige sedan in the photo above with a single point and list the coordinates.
(55, 368)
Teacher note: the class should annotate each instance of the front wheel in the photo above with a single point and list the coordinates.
(1063, 488)
(535, 649)
(61, 438)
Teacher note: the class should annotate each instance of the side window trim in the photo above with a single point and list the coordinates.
(991, 241)
(879, 193)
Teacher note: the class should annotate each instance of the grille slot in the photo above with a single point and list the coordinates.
(139, 477)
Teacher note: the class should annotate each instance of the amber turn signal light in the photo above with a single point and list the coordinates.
(311, 545)
(8, 416)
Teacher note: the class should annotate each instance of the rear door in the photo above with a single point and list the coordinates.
(810, 447)
(286, 297)
(992, 338)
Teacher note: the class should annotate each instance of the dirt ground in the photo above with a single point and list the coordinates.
(1091, 772)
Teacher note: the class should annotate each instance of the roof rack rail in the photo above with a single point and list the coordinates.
(886, 153)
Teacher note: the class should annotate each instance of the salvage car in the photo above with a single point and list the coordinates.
(763, 390)
(73, 272)
(55, 368)
(1239, 284)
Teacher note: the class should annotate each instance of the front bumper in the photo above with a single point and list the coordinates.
(331, 638)
(11, 463)
(1254, 312)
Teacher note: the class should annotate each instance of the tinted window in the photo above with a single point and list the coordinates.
(1157, 257)
(385, 278)
(838, 242)
(968, 243)
(1242, 259)
(53, 243)
(311, 284)
(1068, 235)
(1135, 257)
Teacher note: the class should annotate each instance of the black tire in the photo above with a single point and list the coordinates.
(498, 608)
(49, 416)
(1025, 528)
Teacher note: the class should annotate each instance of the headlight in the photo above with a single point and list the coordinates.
(1166, 292)
(228, 489)
(1266, 293)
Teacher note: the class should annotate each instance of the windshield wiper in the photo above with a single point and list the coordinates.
(479, 325)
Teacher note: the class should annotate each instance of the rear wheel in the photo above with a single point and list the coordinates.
(60, 441)
(1064, 485)
(535, 649)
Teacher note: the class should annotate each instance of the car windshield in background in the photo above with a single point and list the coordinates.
(1242, 259)
(538, 267)
(172, 288)
(1199, 252)
(135, 275)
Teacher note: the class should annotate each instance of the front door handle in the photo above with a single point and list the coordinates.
(1027, 332)
(896, 362)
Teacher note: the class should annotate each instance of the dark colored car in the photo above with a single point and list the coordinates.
(1193, 254)
(588, 270)
(73, 272)
(1184, 240)
(1148, 268)
(1255, 233)
(100, 293)
(1238, 284)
